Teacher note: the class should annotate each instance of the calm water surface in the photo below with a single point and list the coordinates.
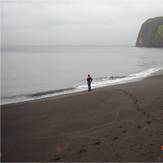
(29, 70)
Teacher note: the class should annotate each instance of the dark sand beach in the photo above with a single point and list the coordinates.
(117, 123)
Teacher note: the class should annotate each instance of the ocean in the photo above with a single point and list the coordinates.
(34, 72)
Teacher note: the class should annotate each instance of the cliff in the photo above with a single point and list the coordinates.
(151, 33)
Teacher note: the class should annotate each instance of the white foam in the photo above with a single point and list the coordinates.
(83, 87)
(130, 78)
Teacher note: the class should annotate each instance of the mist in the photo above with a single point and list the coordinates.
(75, 22)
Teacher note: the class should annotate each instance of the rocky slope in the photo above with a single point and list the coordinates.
(151, 33)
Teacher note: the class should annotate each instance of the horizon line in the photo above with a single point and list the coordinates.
(8, 46)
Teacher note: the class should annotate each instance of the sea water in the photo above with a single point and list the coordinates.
(33, 72)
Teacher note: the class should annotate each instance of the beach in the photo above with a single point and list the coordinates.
(115, 123)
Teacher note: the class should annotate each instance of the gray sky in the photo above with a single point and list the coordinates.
(75, 22)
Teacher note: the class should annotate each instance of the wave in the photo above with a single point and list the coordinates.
(82, 86)
(113, 80)
(51, 92)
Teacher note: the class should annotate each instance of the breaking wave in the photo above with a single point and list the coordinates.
(82, 86)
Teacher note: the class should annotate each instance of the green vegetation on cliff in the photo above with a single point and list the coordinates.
(158, 39)
(151, 33)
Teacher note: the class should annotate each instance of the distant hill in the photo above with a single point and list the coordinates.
(151, 33)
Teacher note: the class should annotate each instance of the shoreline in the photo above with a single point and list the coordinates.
(113, 123)
(69, 92)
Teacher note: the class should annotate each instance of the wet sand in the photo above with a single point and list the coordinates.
(117, 123)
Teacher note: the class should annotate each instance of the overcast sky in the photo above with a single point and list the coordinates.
(75, 22)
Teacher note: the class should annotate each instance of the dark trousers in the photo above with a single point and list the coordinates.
(89, 86)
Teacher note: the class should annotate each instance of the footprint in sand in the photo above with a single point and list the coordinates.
(57, 158)
(115, 138)
(124, 131)
(82, 151)
(148, 122)
(97, 143)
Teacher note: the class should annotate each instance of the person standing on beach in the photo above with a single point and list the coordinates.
(89, 81)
